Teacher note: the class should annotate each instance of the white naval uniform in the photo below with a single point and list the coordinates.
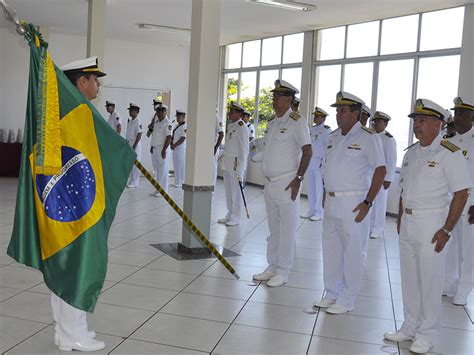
(179, 154)
(319, 138)
(251, 128)
(218, 129)
(134, 127)
(161, 130)
(114, 120)
(281, 159)
(71, 322)
(233, 163)
(459, 276)
(347, 172)
(427, 176)
(379, 208)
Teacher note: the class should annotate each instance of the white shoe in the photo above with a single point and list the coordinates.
(397, 336)
(459, 300)
(307, 215)
(264, 276)
(277, 281)
(338, 309)
(315, 218)
(90, 334)
(223, 220)
(130, 186)
(420, 347)
(83, 345)
(324, 303)
(231, 223)
(375, 235)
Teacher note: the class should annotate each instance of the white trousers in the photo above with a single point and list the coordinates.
(379, 210)
(71, 323)
(343, 244)
(283, 216)
(233, 196)
(179, 159)
(314, 182)
(134, 177)
(459, 277)
(161, 166)
(422, 271)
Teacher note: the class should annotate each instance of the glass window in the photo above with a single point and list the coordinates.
(438, 79)
(231, 87)
(394, 97)
(442, 29)
(233, 55)
(358, 80)
(362, 39)
(248, 85)
(251, 57)
(293, 48)
(328, 83)
(293, 76)
(332, 43)
(271, 51)
(395, 29)
(265, 105)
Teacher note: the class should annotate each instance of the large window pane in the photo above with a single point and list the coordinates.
(231, 88)
(251, 57)
(328, 83)
(358, 80)
(293, 48)
(438, 79)
(394, 97)
(265, 108)
(393, 30)
(233, 55)
(362, 39)
(442, 29)
(248, 86)
(271, 51)
(332, 43)
(293, 76)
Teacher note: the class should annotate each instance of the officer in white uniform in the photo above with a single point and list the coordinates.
(162, 130)
(71, 331)
(114, 119)
(233, 163)
(377, 218)
(459, 277)
(353, 172)
(431, 169)
(219, 136)
(319, 137)
(366, 114)
(295, 106)
(286, 157)
(251, 129)
(134, 139)
(178, 146)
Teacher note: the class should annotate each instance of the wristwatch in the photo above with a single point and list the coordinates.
(368, 203)
(299, 178)
(448, 233)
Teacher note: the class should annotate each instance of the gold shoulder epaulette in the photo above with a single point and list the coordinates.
(388, 135)
(450, 146)
(411, 146)
(371, 131)
(295, 116)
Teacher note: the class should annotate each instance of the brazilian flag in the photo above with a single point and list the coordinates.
(74, 168)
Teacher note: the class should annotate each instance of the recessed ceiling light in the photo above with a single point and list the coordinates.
(287, 5)
(166, 29)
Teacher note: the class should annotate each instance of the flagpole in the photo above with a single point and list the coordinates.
(12, 16)
(186, 220)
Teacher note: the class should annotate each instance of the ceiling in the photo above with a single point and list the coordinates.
(240, 20)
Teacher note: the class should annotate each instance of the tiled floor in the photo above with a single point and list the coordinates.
(153, 304)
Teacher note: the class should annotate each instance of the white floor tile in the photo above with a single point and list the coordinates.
(19, 277)
(286, 296)
(29, 306)
(131, 346)
(160, 279)
(14, 331)
(320, 345)
(221, 287)
(168, 263)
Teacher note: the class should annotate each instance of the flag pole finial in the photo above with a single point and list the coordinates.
(12, 16)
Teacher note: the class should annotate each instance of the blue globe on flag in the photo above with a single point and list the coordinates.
(69, 195)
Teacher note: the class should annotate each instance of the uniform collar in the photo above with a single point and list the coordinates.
(285, 115)
(436, 142)
(355, 128)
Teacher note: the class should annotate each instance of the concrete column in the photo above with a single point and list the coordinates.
(466, 70)
(202, 95)
(96, 27)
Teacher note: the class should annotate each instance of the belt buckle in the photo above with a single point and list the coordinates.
(332, 194)
(408, 210)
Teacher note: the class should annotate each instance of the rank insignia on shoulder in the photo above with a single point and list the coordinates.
(327, 127)
(449, 146)
(411, 145)
(295, 116)
(370, 130)
(388, 135)
(241, 123)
